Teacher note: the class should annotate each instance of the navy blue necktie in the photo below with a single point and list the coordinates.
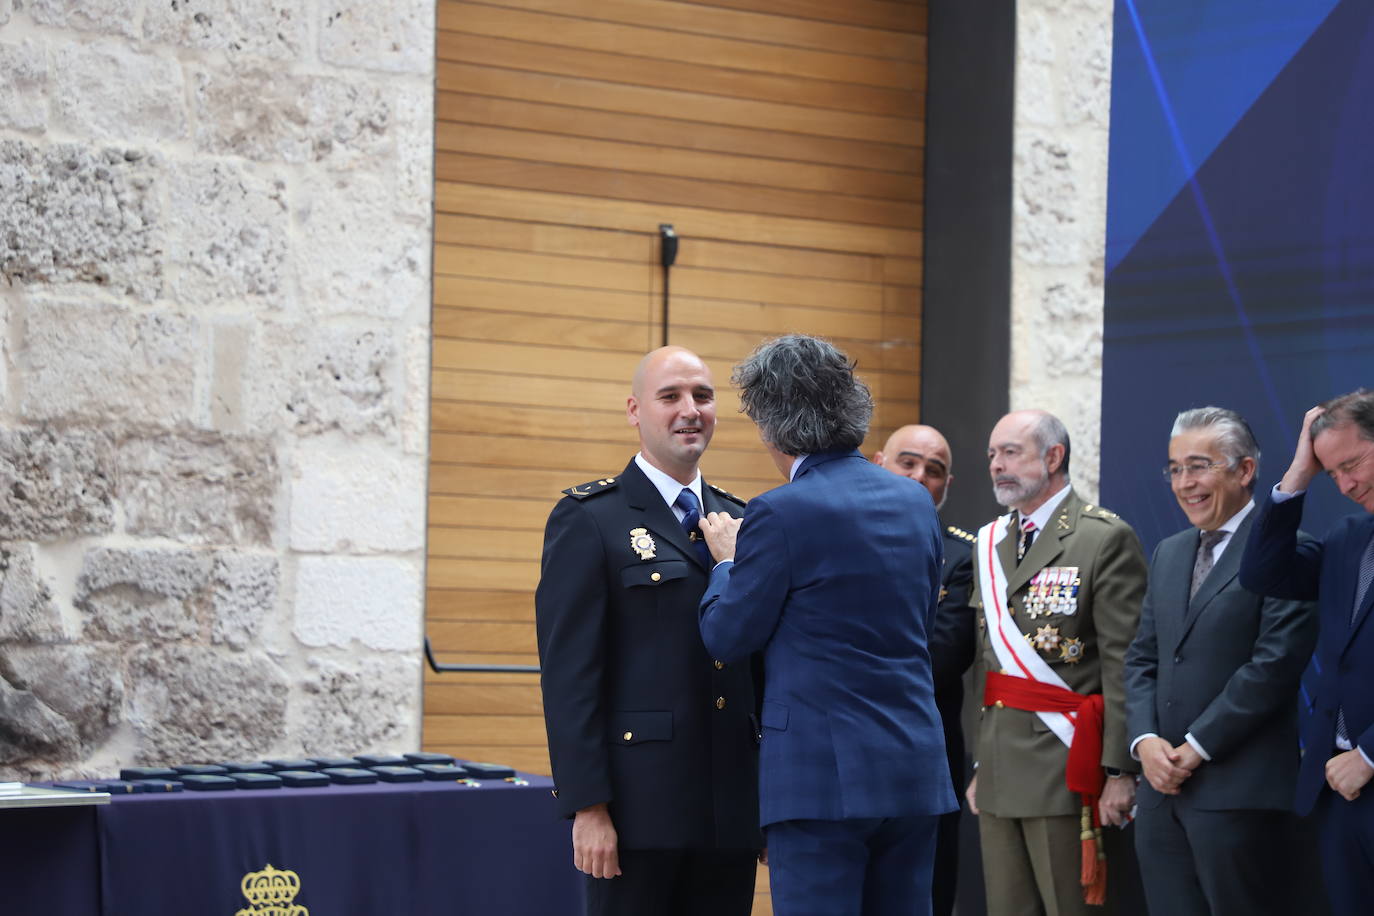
(687, 502)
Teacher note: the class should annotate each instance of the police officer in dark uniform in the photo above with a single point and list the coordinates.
(653, 743)
(922, 454)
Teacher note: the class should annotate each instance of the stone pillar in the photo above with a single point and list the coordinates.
(1059, 213)
(215, 225)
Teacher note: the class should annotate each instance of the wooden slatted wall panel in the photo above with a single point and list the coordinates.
(782, 138)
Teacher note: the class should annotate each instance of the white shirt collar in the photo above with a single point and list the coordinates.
(1229, 527)
(667, 487)
(796, 463)
(1041, 516)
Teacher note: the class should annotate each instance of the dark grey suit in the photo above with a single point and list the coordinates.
(1223, 667)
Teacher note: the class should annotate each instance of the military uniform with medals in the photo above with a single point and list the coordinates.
(638, 715)
(1075, 597)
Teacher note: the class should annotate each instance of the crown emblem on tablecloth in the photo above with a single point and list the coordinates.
(271, 892)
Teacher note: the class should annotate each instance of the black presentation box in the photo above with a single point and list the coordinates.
(349, 776)
(442, 771)
(302, 779)
(247, 766)
(382, 760)
(292, 763)
(120, 786)
(327, 762)
(79, 785)
(428, 757)
(398, 774)
(256, 780)
(199, 769)
(132, 773)
(207, 782)
(159, 785)
(488, 770)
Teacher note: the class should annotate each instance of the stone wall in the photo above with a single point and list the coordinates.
(215, 223)
(1059, 217)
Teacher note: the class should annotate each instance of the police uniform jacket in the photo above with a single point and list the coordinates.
(638, 714)
(1082, 631)
(953, 643)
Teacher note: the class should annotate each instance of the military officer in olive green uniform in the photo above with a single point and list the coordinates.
(654, 744)
(1058, 585)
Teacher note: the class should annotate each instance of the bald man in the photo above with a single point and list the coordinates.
(654, 744)
(922, 454)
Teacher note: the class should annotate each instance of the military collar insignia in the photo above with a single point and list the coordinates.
(642, 543)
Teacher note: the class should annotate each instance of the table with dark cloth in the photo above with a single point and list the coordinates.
(409, 849)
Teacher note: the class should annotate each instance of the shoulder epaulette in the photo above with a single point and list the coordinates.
(591, 488)
(727, 494)
(1098, 512)
(960, 533)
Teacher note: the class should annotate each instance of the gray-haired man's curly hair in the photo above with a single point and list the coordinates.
(804, 396)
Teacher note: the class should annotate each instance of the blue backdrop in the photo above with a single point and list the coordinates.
(1240, 231)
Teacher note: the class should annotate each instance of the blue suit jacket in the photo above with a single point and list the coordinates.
(1278, 564)
(835, 578)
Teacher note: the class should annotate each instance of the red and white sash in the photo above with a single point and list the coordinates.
(1017, 657)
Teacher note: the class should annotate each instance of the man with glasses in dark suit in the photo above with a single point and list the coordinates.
(1211, 693)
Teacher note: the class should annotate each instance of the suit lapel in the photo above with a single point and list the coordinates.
(641, 494)
(1045, 548)
(1357, 554)
(1226, 569)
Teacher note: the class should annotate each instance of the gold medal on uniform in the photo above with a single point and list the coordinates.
(642, 543)
(1071, 650)
(1046, 638)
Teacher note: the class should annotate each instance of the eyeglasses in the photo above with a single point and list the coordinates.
(1192, 469)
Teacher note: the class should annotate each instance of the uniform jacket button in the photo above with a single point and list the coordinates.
(628, 735)
(720, 702)
(719, 664)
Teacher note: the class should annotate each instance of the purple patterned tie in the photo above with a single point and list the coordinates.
(1206, 547)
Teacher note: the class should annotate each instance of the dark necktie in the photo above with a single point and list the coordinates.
(1024, 542)
(1206, 546)
(1361, 589)
(687, 502)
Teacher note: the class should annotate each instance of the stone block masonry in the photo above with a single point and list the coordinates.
(215, 226)
(1059, 218)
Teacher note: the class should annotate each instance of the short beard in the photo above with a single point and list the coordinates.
(1022, 492)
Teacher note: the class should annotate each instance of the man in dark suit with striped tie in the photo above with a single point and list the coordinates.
(1338, 761)
(1211, 693)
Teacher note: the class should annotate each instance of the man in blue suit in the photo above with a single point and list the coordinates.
(835, 579)
(1338, 740)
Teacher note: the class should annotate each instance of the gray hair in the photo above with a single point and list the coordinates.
(1047, 431)
(1356, 408)
(803, 395)
(1234, 436)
